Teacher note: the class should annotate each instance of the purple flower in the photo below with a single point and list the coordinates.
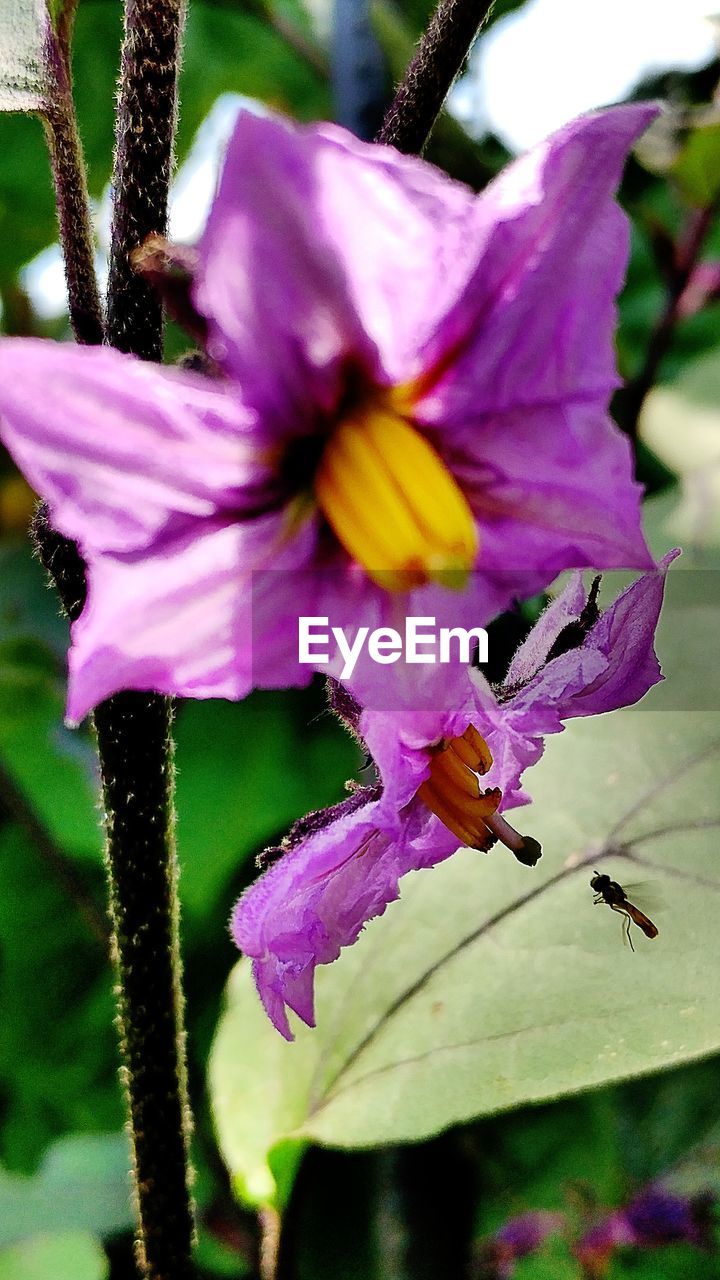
(340, 869)
(517, 1238)
(525, 1233)
(654, 1218)
(411, 383)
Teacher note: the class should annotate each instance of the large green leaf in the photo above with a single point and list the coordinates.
(491, 985)
(82, 1185)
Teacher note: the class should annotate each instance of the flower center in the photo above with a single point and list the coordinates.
(391, 501)
(452, 792)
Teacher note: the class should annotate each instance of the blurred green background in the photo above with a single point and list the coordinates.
(246, 771)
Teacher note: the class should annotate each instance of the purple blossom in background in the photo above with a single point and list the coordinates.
(516, 1239)
(412, 382)
(339, 872)
(654, 1218)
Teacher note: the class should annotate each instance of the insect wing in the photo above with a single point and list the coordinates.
(646, 894)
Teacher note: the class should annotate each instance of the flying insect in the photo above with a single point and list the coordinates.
(615, 897)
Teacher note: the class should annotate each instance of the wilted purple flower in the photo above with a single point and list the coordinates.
(412, 382)
(342, 868)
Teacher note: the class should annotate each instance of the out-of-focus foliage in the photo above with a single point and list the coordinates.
(681, 424)
(65, 1256)
(230, 804)
(82, 1185)
(697, 169)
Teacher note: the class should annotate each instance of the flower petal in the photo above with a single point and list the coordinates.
(614, 667)
(624, 635)
(552, 490)
(535, 322)
(331, 249)
(526, 360)
(123, 450)
(316, 899)
(179, 619)
(167, 622)
(565, 609)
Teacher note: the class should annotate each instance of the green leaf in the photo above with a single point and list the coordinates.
(697, 168)
(71, 1256)
(490, 985)
(25, 30)
(83, 1185)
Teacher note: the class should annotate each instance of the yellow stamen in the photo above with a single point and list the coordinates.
(452, 791)
(392, 502)
(473, 750)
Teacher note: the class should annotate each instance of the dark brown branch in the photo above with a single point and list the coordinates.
(429, 78)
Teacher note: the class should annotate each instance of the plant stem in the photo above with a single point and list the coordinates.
(134, 729)
(136, 758)
(632, 398)
(427, 81)
(144, 156)
(71, 191)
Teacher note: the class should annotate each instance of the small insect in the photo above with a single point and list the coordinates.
(615, 897)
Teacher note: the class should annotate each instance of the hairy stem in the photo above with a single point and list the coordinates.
(136, 757)
(134, 729)
(632, 398)
(419, 97)
(71, 192)
(143, 164)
